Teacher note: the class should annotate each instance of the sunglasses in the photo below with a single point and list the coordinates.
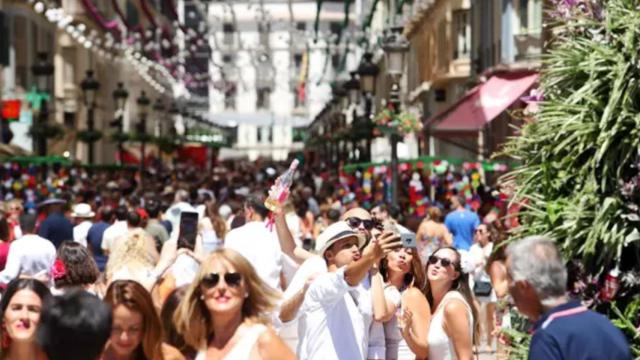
(443, 261)
(479, 231)
(232, 279)
(355, 222)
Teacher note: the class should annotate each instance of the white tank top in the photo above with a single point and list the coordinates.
(440, 345)
(242, 349)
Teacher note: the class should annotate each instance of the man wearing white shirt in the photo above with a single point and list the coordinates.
(331, 323)
(82, 214)
(31, 255)
(257, 243)
(117, 229)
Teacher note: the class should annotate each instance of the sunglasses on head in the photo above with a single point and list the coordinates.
(443, 261)
(232, 279)
(355, 222)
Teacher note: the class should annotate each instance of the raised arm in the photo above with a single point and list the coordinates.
(372, 254)
(383, 309)
(287, 244)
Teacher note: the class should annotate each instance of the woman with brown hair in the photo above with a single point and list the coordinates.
(453, 314)
(396, 286)
(5, 236)
(74, 267)
(212, 228)
(21, 307)
(137, 331)
(432, 234)
(222, 313)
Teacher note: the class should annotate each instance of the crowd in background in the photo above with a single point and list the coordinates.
(324, 276)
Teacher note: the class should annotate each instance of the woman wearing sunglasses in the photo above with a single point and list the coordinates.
(222, 312)
(453, 315)
(136, 331)
(397, 285)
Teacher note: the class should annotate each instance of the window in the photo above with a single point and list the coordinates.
(530, 16)
(523, 13)
(263, 99)
(230, 97)
(264, 31)
(228, 29)
(301, 26)
(442, 45)
(335, 61)
(462, 34)
(297, 60)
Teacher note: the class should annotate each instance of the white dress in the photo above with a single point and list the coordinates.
(440, 345)
(242, 349)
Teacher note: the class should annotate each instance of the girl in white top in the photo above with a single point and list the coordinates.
(453, 315)
(221, 312)
(479, 254)
(395, 287)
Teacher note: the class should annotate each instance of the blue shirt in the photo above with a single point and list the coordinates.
(56, 228)
(94, 242)
(584, 335)
(462, 224)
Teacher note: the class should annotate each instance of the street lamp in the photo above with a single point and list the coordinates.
(42, 69)
(158, 108)
(368, 72)
(120, 95)
(353, 88)
(143, 103)
(89, 88)
(395, 47)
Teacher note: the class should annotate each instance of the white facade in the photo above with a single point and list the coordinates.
(286, 42)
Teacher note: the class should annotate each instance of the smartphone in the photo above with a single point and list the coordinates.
(409, 240)
(188, 230)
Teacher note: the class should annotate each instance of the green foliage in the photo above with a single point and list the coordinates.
(89, 136)
(624, 321)
(579, 179)
(48, 130)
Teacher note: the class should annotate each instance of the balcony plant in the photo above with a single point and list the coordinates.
(388, 121)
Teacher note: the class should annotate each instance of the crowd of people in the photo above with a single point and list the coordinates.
(92, 266)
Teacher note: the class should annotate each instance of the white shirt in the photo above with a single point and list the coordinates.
(396, 346)
(480, 257)
(261, 247)
(440, 345)
(312, 266)
(112, 233)
(80, 232)
(331, 325)
(31, 255)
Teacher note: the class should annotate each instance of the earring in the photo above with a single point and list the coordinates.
(201, 297)
(246, 295)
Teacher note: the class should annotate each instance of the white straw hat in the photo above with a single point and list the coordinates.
(334, 232)
(82, 210)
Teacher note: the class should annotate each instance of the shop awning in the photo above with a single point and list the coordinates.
(483, 103)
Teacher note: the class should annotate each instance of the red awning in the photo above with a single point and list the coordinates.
(484, 102)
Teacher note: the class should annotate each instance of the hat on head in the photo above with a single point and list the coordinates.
(82, 210)
(334, 232)
(52, 201)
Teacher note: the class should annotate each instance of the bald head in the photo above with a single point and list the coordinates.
(356, 212)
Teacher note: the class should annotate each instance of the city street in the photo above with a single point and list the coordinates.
(319, 179)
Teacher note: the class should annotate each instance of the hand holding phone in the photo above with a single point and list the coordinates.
(188, 230)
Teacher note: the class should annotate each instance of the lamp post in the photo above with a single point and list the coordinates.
(353, 89)
(90, 87)
(395, 47)
(143, 103)
(368, 72)
(158, 108)
(120, 95)
(42, 69)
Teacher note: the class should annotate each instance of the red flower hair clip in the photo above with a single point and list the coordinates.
(58, 270)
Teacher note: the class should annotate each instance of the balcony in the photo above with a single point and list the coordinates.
(528, 46)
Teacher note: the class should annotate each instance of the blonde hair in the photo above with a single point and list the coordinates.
(192, 319)
(132, 252)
